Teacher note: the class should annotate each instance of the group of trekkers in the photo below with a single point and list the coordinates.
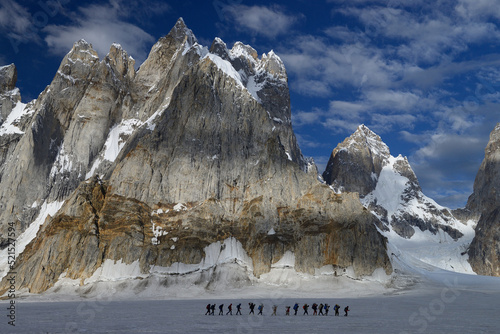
(321, 309)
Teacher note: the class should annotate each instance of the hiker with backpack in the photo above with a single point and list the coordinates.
(315, 308)
(336, 308)
(230, 309)
(287, 310)
(252, 307)
(260, 308)
(305, 307)
(296, 308)
(221, 307)
(208, 310)
(275, 308)
(238, 309)
(327, 308)
(320, 308)
(212, 308)
(346, 310)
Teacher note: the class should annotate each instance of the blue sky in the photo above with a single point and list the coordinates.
(424, 75)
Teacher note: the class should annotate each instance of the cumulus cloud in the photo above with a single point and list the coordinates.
(102, 25)
(268, 21)
(426, 71)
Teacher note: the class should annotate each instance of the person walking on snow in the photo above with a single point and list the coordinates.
(287, 310)
(230, 309)
(252, 307)
(260, 308)
(327, 308)
(212, 308)
(315, 309)
(320, 308)
(296, 308)
(346, 310)
(275, 308)
(238, 309)
(305, 307)
(221, 312)
(336, 308)
(208, 310)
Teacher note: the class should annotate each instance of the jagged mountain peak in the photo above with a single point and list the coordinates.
(365, 137)
(119, 59)
(243, 50)
(387, 186)
(182, 33)
(219, 48)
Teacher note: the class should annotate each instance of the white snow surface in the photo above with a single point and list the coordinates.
(226, 67)
(29, 234)
(116, 271)
(8, 126)
(229, 251)
(389, 190)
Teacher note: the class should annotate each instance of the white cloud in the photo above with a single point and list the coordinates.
(16, 21)
(101, 25)
(477, 9)
(267, 21)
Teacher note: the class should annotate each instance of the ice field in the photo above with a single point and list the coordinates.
(417, 298)
(441, 303)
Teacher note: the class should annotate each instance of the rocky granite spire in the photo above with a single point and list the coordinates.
(355, 164)
(196, 143)
(484, 251)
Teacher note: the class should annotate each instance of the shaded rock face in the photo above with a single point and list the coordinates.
(356, 163)
(9, 94)
(387, 186)
(484, 251)
(196, 143)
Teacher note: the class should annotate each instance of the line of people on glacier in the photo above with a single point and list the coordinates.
(321, 309)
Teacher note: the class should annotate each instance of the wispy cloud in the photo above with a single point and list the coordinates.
(16, 21)
(103, 25)
(268, 21)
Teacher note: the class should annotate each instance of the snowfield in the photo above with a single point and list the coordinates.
(417, 298)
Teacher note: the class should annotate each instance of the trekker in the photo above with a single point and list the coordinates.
(212, 308)
(287, 310)
(336, 308)
(315, 309)
(305, 307)
(252, 306)
(275, 308)
(208, 310)
(346, 310)
(230, 309)
(221, 312)
(238, 309)
(327, 308)
(320, 308)
(296, 308)
(260, 308)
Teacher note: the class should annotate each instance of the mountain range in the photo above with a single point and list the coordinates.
(188, 168)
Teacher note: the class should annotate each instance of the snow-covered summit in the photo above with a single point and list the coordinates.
(389, 188)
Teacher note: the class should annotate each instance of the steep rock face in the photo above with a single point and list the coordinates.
(356, 163)
(484, 251)
(320, 228)
(387, 186)
(9, 94)
(198, 144)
